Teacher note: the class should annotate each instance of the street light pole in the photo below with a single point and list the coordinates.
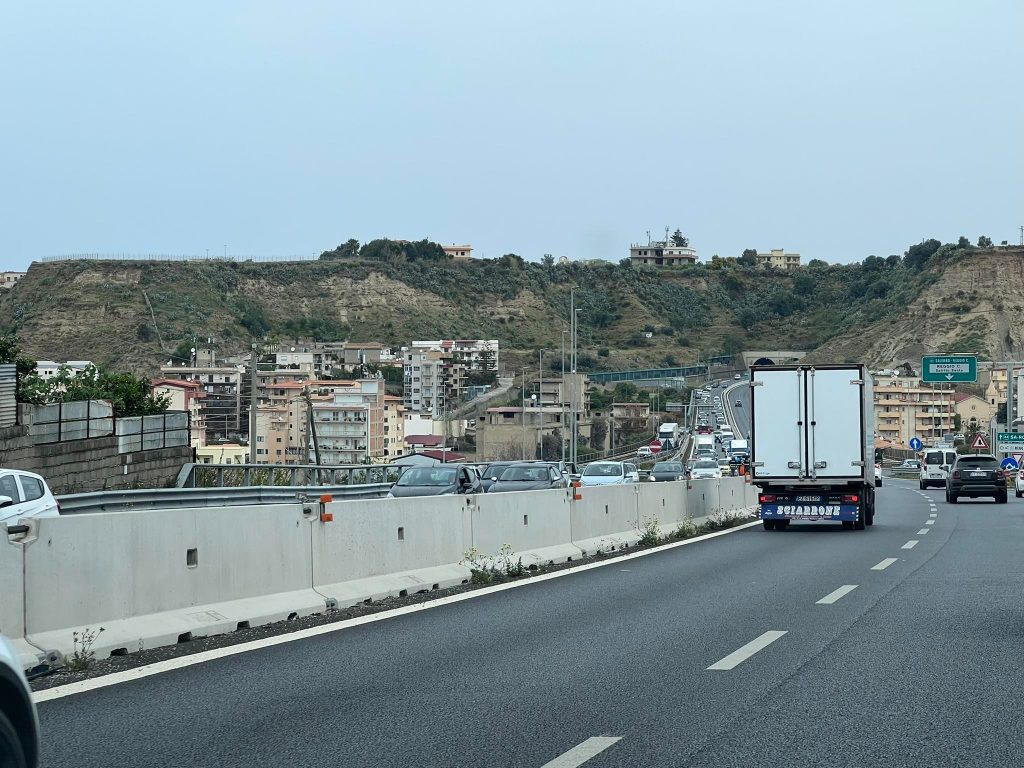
(524, 414)
(561, 397)
(572, 370)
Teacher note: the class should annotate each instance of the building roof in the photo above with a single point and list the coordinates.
(446, 456)
(179, 383)
(424, 440)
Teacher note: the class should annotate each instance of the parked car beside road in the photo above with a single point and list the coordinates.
(529, 477)
(24, 495)
(439, 480)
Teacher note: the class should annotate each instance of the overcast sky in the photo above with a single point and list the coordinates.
(836, 130)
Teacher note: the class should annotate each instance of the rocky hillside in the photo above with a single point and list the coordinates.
(135, 315)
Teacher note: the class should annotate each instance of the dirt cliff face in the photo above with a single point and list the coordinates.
(976, 305)
(133, 315)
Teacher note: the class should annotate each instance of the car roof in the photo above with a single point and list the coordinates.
(977, 456)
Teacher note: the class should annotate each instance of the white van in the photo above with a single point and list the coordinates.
(935, 466)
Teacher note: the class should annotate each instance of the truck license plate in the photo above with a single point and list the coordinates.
(808, 499)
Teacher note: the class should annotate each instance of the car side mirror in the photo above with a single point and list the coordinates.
(494, 479)
(6, 501)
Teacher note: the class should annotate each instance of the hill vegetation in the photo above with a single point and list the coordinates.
(136, 315)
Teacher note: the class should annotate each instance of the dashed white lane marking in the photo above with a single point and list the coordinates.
(929, 522)
(910, 544)
(743, 653)
(933, 514)
(923, 531)
(582, 752)
(833, 596)
(884, 564)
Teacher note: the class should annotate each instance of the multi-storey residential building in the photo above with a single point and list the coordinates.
(905, 408)
(662, 253)
(994, 381)
(779, 259)
(7, 279)
(185, 396)
(394, 427)
(474, 354)
(349, 420)
(501, 434)
(433, 381)
(221, 407)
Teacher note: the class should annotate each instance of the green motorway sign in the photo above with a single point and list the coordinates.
(949, 368)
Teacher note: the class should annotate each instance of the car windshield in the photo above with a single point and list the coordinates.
(495, 470)
(419, 476)
(667, 466)
(603, 470)
(706, 464)
(525, 474)
(977, 462)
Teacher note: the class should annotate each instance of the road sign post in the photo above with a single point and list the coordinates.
(980, 443)
(949, 369)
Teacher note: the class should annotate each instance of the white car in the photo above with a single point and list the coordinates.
(1018, 484)
(19, 727)
(706, 469)
(24, 495)
(644, 452)
(878, 475)
(609, 473)
(935, 466)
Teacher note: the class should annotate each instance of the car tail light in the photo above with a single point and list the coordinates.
(956, 474)
(766, 498)
(850, 498)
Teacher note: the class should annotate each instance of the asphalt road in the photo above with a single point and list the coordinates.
(918, 665)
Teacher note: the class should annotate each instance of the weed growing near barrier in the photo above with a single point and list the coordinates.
(83, 656)
(649, 536)
(687, 530)
(487, 569)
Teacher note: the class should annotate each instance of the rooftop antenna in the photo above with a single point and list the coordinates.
(648, 237)
(666, 235)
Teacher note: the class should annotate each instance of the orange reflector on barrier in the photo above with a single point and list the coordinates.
(326, 498)
(326, 517)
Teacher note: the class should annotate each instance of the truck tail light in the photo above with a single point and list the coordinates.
(956, 474)
(851, 498)
(766, 498)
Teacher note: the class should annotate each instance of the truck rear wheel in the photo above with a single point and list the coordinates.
(769, 525)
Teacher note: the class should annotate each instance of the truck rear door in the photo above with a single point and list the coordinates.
(777, 417)
(834, 418)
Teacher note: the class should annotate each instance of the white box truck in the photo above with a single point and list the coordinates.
(812, 444)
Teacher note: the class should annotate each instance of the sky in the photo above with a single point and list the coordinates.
(571, 127)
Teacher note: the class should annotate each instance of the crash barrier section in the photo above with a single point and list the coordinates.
(155, 578)
(12, 599)
(158, 578)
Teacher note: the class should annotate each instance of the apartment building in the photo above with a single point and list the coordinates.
(779, 259)
(394, 427)
(906, 408)
(221, 405)
(185, 396)
(474, 354)
(349, 421)
(433, 382)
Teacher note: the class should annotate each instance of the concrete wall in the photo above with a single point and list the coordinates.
(157, 577)
(81, 466)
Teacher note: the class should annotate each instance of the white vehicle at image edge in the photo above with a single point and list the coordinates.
(24, 495)
(878, 475)
(19, 728)
(609, 473)
(1018, 484)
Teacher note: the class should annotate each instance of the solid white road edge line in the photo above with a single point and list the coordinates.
(127, 675)
(835, 595)
(910, 544)
(579, 754)
(884, 564)
(743, 653)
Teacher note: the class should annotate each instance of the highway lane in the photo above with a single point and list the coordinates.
(879, 654)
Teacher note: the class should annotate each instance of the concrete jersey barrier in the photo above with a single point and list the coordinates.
(154, 578)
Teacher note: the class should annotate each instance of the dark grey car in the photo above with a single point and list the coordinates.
(439, 480)
(976, 475)
(665, 471)
(529, 477)
(492, 472)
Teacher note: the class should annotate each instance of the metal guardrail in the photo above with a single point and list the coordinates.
(182, 498)
(284, 475)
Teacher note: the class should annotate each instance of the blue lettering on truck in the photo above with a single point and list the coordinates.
(807, 508)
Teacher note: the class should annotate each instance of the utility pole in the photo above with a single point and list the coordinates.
(252, 403)
(311, 427)
(572, 370)
(1009, 398)
(524, 414)
(561, 397)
